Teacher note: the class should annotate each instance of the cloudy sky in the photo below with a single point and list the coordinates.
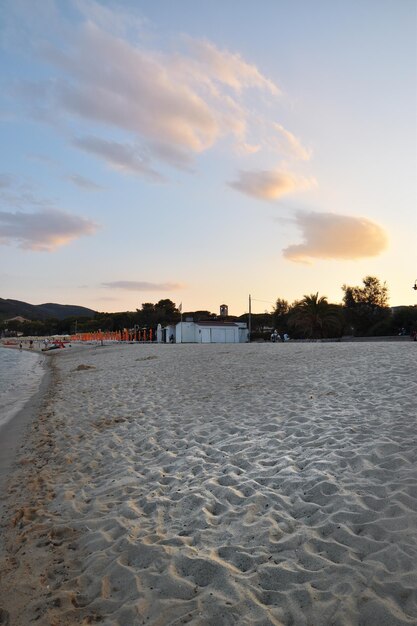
(204, 151)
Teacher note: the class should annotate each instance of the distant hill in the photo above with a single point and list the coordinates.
(13, 308)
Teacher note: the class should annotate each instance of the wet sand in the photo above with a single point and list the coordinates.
(13, 432)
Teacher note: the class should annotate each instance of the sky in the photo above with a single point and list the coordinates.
(203, 152)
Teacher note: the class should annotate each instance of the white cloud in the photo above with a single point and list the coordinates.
(270, 184)
(177, 157)
(116, 20)
(44, 230)
(119, 156)
(132, 285)
(331, 236)
(41, 158)
(20, 196)
(84, 183)
(5, 181)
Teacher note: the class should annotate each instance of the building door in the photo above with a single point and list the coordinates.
(230, 335)
(218, 335)
(205, 335)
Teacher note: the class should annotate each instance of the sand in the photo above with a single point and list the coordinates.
(217, 484)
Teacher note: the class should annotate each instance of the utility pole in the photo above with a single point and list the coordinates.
(180, 310)
(250, 317)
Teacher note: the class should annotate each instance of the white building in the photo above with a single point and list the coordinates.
(212, 331)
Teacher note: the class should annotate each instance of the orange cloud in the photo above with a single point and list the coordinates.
(229, 68)
(331, 236)
(289, 144)
(168, 106)
(174, 105)
(177, 99)
(270, 184)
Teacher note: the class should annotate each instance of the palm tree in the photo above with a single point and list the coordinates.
(315, 317)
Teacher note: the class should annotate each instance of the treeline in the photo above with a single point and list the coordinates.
(150, 315)
(364, 312)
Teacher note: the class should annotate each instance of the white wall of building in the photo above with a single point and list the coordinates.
(191, 332)
(186, 332)
(170, 331)
(243, 332)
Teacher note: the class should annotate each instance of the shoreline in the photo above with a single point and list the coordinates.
(227, 484)
(23, 376)
(15, 432)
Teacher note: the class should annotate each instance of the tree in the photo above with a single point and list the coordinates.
(404, 317)
(315, 318)
(373, 294)
(166, 312)
(200, 315)
(280, 315)
(163, 312)
(261, 324)
(366, 307)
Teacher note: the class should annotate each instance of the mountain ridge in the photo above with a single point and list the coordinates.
(14, 308)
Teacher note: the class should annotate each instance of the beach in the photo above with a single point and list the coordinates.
(247, 484)
(22, 373)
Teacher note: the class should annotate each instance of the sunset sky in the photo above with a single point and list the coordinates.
(203, 151)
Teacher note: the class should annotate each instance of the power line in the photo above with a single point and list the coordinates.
(250, 311)
(264, 301)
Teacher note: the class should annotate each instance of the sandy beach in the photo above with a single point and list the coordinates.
(217, 484)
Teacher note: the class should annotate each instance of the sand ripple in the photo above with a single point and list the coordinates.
(253, 485)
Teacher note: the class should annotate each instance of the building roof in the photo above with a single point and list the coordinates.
(215, 323)
(18, 318)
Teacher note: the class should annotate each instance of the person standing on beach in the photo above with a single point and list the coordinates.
(20, 345)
